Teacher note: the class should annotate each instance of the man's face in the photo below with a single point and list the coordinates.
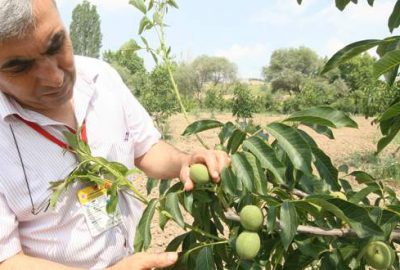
(38, 70)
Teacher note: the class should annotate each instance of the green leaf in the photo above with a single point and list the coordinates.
(172, 3)
(341, 4)
(391, 112)
(57, 191)
(299, 2)
(164, 186)
(243, 170)
(188, 201)
(235, 140)
(296, 260)
(226, 131)
(144, 24)
(323, 130)
(205, 259)
(172, 206)
(228, 181)
(389, 44)
(293, 144)
(112, 201)
(176, 242)
(145, 42)
(289, 222)
(394, 19)
(157, 18)
(139, 4)
(266, 155)
(143, 234)
(260, 179)
(356, 216)
(363, 193)
(323, 116)
(151, 3)
(327, 206)
(388, 62)
(325, 168)
(151, 183)
(349, 52)
(72, 139)
(362, 177)
(162, 219)
(201, 125)
(384, 141)
(271, 218)
(371, 2)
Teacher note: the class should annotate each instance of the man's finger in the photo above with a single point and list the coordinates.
(160, 260)
(185, 178)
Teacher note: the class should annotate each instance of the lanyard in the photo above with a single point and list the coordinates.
(52, 138)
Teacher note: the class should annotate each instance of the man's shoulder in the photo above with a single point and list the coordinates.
(90, 66)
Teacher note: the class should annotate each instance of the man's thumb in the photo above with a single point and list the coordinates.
(159, 260)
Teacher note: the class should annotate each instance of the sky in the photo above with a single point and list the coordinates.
(245, 32)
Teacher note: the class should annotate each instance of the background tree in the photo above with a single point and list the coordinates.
(243, 103)
(85, 30)
(159, 99)
(288, 68)
(129, 65)
(185, 78)
(214, 70)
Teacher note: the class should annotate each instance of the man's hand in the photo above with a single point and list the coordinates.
(146, 261)
(163, 161)
(214, 160)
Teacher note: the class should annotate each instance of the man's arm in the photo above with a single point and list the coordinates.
(164, 161)
(138, 261)
(22, 261)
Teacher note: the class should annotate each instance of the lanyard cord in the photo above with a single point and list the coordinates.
(50, 137)
(23, 169)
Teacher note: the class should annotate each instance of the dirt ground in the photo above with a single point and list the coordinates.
(347, 141)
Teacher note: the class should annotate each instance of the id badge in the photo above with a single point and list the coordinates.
(94, 201)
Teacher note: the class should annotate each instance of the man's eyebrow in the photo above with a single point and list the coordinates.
(15, 62)
(55, 41)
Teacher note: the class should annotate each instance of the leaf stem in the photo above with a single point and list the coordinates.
(205, 245)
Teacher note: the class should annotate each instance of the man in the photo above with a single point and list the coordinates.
(44, 90)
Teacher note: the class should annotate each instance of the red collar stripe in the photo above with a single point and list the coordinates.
(52, 138)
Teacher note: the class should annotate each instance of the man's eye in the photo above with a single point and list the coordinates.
(19, 68)
(54, 50)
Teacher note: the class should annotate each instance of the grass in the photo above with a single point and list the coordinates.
(383, 167)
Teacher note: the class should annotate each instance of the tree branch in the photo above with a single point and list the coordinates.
(343, 232)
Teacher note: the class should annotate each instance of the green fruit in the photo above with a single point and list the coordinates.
(199, 173)
(248, 245)
(379, 255)
(251, 218)
(339, 195)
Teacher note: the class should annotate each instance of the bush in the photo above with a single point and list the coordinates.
(214, 100)
(244, 103)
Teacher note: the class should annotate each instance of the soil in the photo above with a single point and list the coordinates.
(347, 141)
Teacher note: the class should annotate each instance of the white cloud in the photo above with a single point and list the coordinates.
(333, 45)
(360, 16)
(238, 52)
(249, 58)
(282, 12)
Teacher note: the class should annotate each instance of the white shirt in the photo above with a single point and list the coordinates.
(118, 128)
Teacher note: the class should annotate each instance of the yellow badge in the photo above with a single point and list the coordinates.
(94, 200)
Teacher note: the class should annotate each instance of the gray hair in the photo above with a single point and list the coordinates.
(16, 16)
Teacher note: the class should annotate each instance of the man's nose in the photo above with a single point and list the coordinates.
(49, 73)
